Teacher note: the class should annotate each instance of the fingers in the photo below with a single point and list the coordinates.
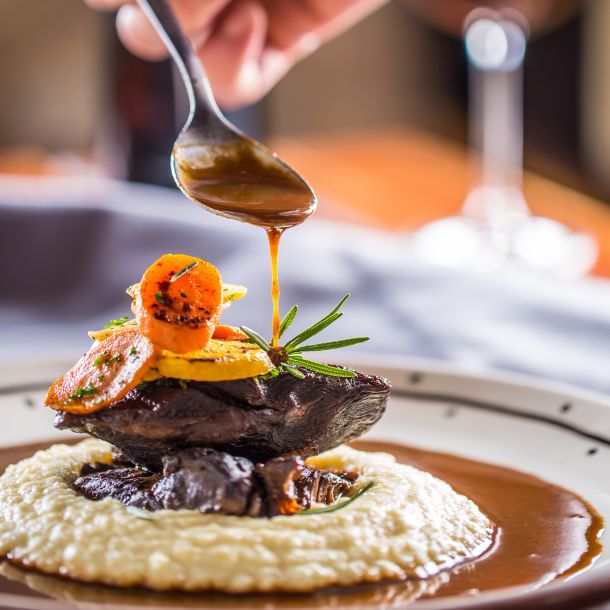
(139, 36)
(105, 5)
(234, 53)
(300, 27)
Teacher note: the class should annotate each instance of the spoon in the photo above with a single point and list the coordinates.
(214, 163)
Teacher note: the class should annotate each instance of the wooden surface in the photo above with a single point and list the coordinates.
(401, 179)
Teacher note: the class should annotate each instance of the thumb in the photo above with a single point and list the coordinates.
(232, 54)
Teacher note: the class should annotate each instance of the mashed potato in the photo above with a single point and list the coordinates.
(409, 524)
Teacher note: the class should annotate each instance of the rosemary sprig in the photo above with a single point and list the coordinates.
(288, 358)
(140, 513)
(337, 506)
(288, 320)
(182, 271)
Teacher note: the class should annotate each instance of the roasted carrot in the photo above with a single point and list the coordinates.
(104, 374)
(229, 333)
(179, 302)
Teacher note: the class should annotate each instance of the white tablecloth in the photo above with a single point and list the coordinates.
(68, 249)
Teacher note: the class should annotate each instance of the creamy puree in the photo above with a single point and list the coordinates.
(409, 524)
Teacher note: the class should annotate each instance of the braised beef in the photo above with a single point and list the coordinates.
(216, 482)
(206, 480)
(254, 418)
(130, 486)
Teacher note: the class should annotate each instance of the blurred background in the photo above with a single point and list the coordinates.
(380, 122)
(389, 97)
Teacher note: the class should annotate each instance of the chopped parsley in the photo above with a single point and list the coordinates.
(159, 298)
(81, 392)
(116, 358)
(106, 359)
(133, 351)
(184, 295)
(118, 322)
(101, 359)
(100, 378)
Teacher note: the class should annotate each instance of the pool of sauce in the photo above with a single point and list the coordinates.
(238, 184)
(544, 532)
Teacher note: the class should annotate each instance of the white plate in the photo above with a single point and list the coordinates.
(556, 432)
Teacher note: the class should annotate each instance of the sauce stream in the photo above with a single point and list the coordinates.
(274, 236)
(236, 181)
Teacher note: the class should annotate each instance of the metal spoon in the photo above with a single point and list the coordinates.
(214, 163)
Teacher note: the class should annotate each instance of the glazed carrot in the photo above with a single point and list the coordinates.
(229, 333)
(104, 374)
(179, 302)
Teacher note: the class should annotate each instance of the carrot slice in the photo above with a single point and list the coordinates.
(179, 302)
(104, 374)
(229, 333)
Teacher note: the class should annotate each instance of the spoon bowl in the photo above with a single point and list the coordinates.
(214, 163)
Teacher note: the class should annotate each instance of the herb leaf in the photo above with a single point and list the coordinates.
(292, 370)
(287, 359)
(118, 322)
(320, 347)
(256, 338)
(323, 369)
(140, 513)
(288, 320)
(337, 506)
(186, 269)
(316, 328)
(80, 392)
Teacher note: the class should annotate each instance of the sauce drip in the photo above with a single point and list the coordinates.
(238, 182)
(274, 236)
(544, 532)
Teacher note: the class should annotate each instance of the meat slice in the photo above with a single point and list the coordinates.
(216, 482)
(254, 418)
(205, 480)
(130, 486)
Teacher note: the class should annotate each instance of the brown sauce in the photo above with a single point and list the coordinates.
(238, 184)
(544, 532)
(274, 236)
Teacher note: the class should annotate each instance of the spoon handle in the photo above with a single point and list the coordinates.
(183, 53)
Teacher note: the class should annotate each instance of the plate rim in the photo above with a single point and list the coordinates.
(582, 588)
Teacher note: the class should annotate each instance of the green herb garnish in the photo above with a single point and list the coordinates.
(140, 513)
(133, 351)
(80, 392)
(118, 322)
(116, 358)
(288, 359)
(183, 271)
(159, 298)
(101, 359)
(338, 505)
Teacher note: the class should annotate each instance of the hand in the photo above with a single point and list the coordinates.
(246, 45)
